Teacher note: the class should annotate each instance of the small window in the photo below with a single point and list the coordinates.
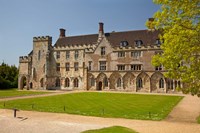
(67, 54)
(138, 43)
(139, 83)
(136, 54)
(161, 83)
(106, 82)
(103, 50)
(121, 54)
(58, 67)
(76, 66)
(75, 82)
(67, 66)
(119, 82)
(158, 68)
(58, 55)
(39, 55)
(121, 67)
(159, 42)
(136, 67)
(92, 81)
(90, 65)
(102, 65)
(67, 82)
(76, 54)
(123, 43)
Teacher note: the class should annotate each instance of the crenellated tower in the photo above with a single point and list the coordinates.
(40, 61)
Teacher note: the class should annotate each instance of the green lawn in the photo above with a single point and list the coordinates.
(15, 92)
(118, 105)
(114, 129)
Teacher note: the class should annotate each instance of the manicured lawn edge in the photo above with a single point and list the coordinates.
(113, 129)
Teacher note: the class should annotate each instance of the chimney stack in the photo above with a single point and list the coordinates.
(62, 33)
(101, 27)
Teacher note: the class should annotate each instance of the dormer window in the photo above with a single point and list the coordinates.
(123, 43)
(158, 42)
(138, 43)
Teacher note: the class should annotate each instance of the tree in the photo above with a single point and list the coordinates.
(8, 76)
(179, 23)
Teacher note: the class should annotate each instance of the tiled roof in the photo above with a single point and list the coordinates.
(147, 37)
(74, 40)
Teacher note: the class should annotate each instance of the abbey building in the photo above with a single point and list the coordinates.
(118, 61)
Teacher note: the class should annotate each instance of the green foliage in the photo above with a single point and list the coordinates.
(179, 22)
(8, 76)
(113, 129)
(131, 106)
(15, 93)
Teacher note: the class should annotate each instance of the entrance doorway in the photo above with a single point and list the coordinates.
(100, 86)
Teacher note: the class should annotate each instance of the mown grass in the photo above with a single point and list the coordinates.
(114, 129)
(117, 105)
(16, 93)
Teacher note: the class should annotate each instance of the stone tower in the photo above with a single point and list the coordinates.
(40, 61)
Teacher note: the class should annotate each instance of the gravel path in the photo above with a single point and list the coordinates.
(181, 120)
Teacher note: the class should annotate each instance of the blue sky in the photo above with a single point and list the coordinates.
(21, 20)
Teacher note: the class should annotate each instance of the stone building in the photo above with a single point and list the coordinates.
(104, 61)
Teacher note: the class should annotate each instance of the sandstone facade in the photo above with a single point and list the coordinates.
(104, 61)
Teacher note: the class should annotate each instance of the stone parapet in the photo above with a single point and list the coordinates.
(24, 59)
(42, 38)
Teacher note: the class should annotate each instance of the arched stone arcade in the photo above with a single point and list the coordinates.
(101, 81)
(143, 82)
(158, 82)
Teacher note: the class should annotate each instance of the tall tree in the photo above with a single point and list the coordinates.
(179, 22)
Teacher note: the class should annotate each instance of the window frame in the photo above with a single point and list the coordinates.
(67, 66)
(121, 54)
(67, 54)
(76, 54)
(58, 67)
(121, 67)
(102, 65)
(76, 66)
(57, 54)
(103, 51)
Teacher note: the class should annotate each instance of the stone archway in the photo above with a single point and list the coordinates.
(143, 82)
(100, 81)
(129, 81)
(113, 80)
(158, 82)
(23, 84)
